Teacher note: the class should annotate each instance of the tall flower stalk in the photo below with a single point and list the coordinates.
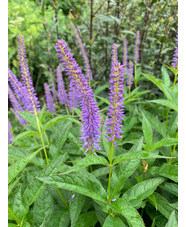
(32, 100)
(175, 57)
(83, 53)
(115, 109)
(90, 115)
(136, 53)
(49, 99)
(125, 55)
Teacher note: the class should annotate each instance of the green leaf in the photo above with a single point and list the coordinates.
(87, 219)
(165, 75)
(82, 182)
(166, 103)
(155, 123)
(17, 205)
(60, 219)
(87, 161)
(53, 121)
(147, 131)
(135, 156)
(11, 186)
(166, 170)
(103, 17)
(34, 190)
(26, 134)
(120, 174)
(103, 99)
(163, 205)
(172, 222)
(75, 208)
(118, 21)
(16, 168)
(31, 118)
(101, 88)
(165, 142)
(170, 187)
(112, 221)
(124, 208)
(43, 208)
(142, 190)
(18, 153)
(153, 199)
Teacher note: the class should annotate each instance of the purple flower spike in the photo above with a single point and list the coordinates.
(61, 88)
(16, 105)
(49, 99)
(90, 115)
(83, 52)
(32, 100)
(136, 47)
(115, 109)
(73, 97)
(114, 53)
(125, 55)
(19, 90)
(10, 137)
(130, 75)
(175, 58)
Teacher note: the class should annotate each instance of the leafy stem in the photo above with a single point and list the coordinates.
(14, 216)
(110, 170)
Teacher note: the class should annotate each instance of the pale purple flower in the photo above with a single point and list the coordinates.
(136, 47)
(83, 52)
(53, 86)
(16, 105)
(32, 100)
(130, 75)
(49, 99)
(114, 53)
(73, 97)
(115, 109)
(62, 95)
(125, 55)
(19, 89)
(175, 58)
(90, 115)
(10, 137)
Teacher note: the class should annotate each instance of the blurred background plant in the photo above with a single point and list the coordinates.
(100, 24)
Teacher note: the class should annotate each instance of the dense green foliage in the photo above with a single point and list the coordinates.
(70, 188)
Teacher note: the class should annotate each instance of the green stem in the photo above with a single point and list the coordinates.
(67, 109)
(14, 216)
(175, 78)
(62, 198)
(39, 128)
(173, 150)
(110, 170)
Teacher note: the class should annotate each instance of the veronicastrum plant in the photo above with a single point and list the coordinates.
(79, 161)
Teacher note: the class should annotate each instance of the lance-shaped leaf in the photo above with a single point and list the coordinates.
(120, 174)
(26, 134)
(87, 219)
(90, 160)
(147, 131)
(135, 156)
(34, 190)
(81, 182)
(172, 220)
(165, 142)
(112, 221)
(124, 208)
(16, 168)
(142, 190)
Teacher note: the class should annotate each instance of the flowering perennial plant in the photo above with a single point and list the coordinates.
(16, 105)
(90, 115)
(136, 47)
(125, 55)
(175, 58)
(130, 75)
(49, 99)
(114, 53)
(83, 52)
(115, 109)
(32, 100)
(61, 88)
